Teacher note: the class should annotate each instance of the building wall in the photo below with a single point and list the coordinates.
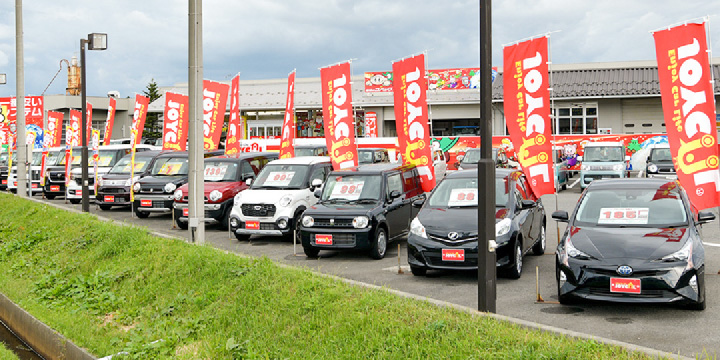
(123, 113)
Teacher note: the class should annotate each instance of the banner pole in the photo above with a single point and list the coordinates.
(554, 132)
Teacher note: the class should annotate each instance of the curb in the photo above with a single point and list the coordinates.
(42, 342)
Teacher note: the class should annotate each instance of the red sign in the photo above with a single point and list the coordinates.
(411, 117)
(689, 110)
(378, 81)
(252, 225)
(34, 109)
(371, 124)
(235, 128)
(33, 186)
(323, 239)
(78, 192)
(527, 109)
(75, 116)
(453, 254)
(88, 123)
(109, 198)
(109, 121)
(55, 188)
(287, 146)
(624, 285)
(54, 126)
(4, 181)
(175, 128)
(146, 203)
(338, 115)
(186, 212)
(139, 115)
(214, 100)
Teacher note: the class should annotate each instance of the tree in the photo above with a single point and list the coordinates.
(152, 130)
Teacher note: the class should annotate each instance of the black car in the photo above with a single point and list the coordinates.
(364, 207)
(114, 186)
(470, 159)
(660, 164)
(632, 240)
(373, 155)
(444, 233)
(55, 174)
(4, 159)
(311, 150)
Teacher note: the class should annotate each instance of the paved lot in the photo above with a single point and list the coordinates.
(666, 328)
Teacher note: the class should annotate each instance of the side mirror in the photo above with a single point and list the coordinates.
(705, 217)
(248, 181)
(418, 203)
(560, 215)
(317, 193)
(316, 183)
(528, 204)
(394, 194)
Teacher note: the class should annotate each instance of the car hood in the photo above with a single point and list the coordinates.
(162, 179)
(463, 220)
(340, 209)
(264, 196)
(222, 187)
(635, 243)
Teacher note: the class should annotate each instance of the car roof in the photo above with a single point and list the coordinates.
(660, 146)
(628, 183)
(310, 146)
(372, 149)
(244, 155)
(377, 168)
(470, 173)
(605, 143)
(119, 147)
(302, 160)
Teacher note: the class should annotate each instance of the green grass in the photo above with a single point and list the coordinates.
(110, 289)
(6, 354)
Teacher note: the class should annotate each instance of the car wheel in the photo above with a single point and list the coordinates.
(515, 270)
(74, 201)
(225, 219)
(105, 207)
(379, 246)
(311, 252)
(539, 247)
(50, 197)
(181, 224)
(242, 237)
(142, 214)
(417, 270)
(699, 306)
(294, 232)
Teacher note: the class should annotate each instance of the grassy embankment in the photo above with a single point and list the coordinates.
(6, 354)
(110, 289)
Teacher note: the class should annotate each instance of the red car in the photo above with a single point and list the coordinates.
(225, 177)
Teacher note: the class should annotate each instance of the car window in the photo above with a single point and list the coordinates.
(352, 187)
(394, 183)
(282, 176)
(248, 170)
(518, 199)
(221, 170)
(660, 207)
(660, 154)
(457, 192)
(319, 172)
(409, 180)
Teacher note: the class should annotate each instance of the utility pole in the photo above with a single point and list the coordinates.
(196, 159)
(22, 149)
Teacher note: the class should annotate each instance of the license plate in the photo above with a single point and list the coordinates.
(34, 186)
(453, 254)
(323, 239)
(4, 182)
(146, 203)
(55, 188)
(624, 285)
(186, 212)
(109, 198)
(252, 225)
(14, 183)
(78, 192)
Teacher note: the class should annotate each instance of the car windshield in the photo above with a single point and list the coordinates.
(3, 158)
(365, 156)
(219, 171)
(347, 188)
(305, 151)
(660, 154)
(108, 157)
(123, 165)
(282, 176)
(170, 166)
(472, 156)
(603, 154)
(54, 157)
(457, 192)
(660, 207)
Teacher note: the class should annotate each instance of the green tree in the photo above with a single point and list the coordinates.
(152, 128)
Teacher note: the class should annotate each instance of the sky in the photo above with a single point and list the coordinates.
(267, 39)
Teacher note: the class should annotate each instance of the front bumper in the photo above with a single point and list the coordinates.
(347, 238)
(153, 203)
(668, 176)
(261, 226)
(212, 211)
(74, 191)
(586, 177)
(428, 253)
(118, 196)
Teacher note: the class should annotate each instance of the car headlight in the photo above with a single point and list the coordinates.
(417, 228)
(170, 187)
(618, 167)
(178, 195)
(285, 201)
(234, 222)
(238, 199)
(215, 195)
(100, 181)
(136, 187)
(502, 227)
(308, 221)
(72, 176)
(585, 167)
(652, 168)
(360, 222)
(282, 223)
(130, 181)
(573, 252)
(681, 255)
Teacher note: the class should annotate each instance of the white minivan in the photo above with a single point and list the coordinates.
(284, 188)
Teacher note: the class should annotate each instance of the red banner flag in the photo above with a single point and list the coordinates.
(287, 146)
(53, 132)
(110, 121)
(526, 97)
(88, 124)
(371, 124)
(75, 116)
(139, 115)
(338, 115)
(70, 141)
(411, 117)
(232, 142)
(215, 96)
(175, 128)
(34, 109)
(686, 90)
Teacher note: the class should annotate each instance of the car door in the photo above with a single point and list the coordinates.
(535, 215)
(523, 217)
(397, 210)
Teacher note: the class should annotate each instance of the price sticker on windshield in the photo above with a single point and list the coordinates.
(623, 216)
(279, 178)
(215, 173)
(105, 160)
(349, 190)
(170, 168)
(138, 165)
(463, 197)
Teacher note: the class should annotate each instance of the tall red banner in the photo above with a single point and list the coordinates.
(338, 115)
(175, 128)
(53, 133)
(287, 148)
(411, 117)
(371, 124)
(215, 96)
(88, 124)
(75, 116)
(110, 121)
(526, 97)
(689, 110)
(139, 115)
(34, 109)
(232, 142)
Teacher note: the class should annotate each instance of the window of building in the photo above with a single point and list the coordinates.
(575, 120)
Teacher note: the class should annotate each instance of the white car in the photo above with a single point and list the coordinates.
(274, 203)
(33, 174)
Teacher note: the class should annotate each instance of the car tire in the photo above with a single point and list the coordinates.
(225, 219)
(539, 247)
(515, 270)
(242, 237)
(418, 270)
(379, 245)
(74, 201)
(142, 214)
(311, 252)
(105, 207)
(181, 224)
(50, 197)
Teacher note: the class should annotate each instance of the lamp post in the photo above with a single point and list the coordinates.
(95, 41)
(3, 79)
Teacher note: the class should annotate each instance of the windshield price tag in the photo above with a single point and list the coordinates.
(349, 190)
(138, 165)
(623, 216)
(279, 178)
(463, 197)
(215, 173)
(169, 168)
(105, 160)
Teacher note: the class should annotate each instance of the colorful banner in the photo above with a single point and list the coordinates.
(69, 143)
(95, 143)
(34, 109)
(110, 121)
(454, 79)
(53, 134)
(175, 128)
(139, 115)
(4, 126)
(287, 141)
(215, 96)
(378, 81)
(232, 144)
(88, 123)
(411, 117)
(686, 90)
(338, 115)
(526, 97)
(75, 116)
(371, 124)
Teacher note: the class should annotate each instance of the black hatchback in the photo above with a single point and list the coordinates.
(444, 233)
(364, 207)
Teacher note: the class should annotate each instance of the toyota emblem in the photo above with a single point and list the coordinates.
(332, 221)
(624, 270)
(453, 235)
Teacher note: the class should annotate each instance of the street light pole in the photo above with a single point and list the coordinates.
(196, 159)
(20, 103)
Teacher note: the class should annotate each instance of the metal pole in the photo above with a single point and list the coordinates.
(20, 103)
(486, 170)
(196, 202)
(83, 125)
